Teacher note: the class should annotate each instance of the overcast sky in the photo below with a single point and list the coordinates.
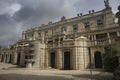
(19, 15)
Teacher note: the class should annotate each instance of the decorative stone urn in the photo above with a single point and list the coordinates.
(29, 63)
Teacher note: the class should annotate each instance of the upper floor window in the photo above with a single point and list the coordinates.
(99, 22)
(87, 25)
(75, 27)
(46, 33)
(36, 34)
(63, 29)
(54, 30)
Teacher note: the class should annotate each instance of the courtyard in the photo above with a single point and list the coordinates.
(12, 72)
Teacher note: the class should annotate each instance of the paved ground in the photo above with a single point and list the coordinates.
(10, 72)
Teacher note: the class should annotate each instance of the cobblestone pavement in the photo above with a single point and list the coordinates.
(11, 72)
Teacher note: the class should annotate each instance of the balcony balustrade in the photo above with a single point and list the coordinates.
(104, 42)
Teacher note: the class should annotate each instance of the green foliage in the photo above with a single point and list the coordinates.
(110, 60)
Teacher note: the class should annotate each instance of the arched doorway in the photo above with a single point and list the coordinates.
(52, 59)
(18, 58)
(67, 60)
(98, 59)
(10, 60)
(2, 60)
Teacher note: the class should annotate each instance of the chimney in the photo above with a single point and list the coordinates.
(89, 12)
(80, 14)
(93, 11)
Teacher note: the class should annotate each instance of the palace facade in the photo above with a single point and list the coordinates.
(75, 43)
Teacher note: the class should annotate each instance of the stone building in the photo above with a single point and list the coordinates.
(75, 43)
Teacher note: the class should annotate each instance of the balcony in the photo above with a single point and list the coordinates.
(104, 42)
(67, 43)
(91, 29)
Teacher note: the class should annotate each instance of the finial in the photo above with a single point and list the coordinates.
(107, 3)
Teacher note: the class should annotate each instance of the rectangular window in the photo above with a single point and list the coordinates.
(75, 27)
(99, 22)
(87, 25)
(63, 29)
(46, 33)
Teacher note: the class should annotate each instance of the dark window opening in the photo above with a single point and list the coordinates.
(50, 42)
(46, 33)
(87, 25)
(99, 22)
(101, 36)
(56, 40)
(26, 57)
(63, 29)
(113, 34)
(75, 27)
(61, 39)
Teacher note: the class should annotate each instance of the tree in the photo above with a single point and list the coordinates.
(118, 14)
(110, 59)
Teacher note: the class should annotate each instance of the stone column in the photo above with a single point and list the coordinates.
(94, 38)
(0, 57)
(22, 59)
(118, 33)
(14, 58)
(59, 59)
(75, 62)
(4, 58)
(8, 58)
(109, 38)
(47, 58)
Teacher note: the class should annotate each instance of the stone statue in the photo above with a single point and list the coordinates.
(106, 3)
(118, 14)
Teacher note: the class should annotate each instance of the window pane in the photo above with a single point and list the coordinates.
(99, 22)
(63, 29)
(75, 27)
(87, 25)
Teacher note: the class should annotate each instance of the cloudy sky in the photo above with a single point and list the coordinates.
(19, 15)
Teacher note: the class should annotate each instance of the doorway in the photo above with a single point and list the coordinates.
(2, 60)
(18, 58)
(52, 60)
(10, 60)
(66, 60)
(98, 60)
